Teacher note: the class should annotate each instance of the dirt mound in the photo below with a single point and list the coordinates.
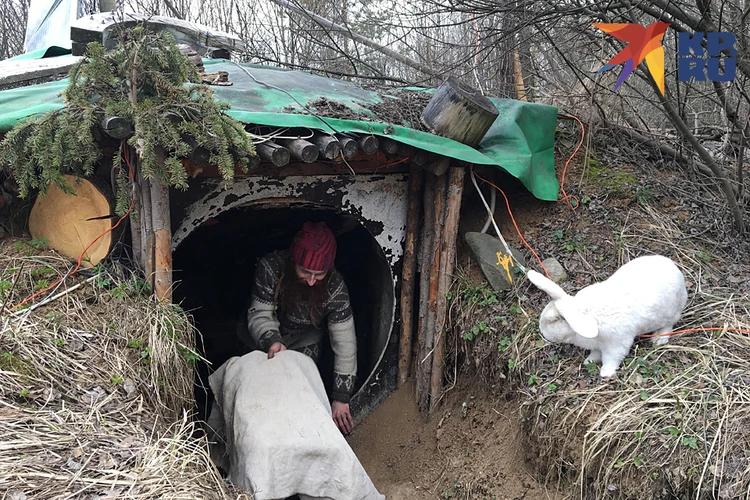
(470, 449)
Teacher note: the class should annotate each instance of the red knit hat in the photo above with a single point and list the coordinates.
(314, 247)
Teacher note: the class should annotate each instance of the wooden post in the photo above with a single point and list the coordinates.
(136, 223)
(447, 257)
(424, 279)
(162, 226)
(147, 227)
(518, 77)
(424, 361)
(407, 273)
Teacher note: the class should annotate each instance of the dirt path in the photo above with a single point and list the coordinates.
(475, 456)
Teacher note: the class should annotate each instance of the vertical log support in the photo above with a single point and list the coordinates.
(424, 362)
(407, 274)
(444, 279)
(424, 279)
(147, 228)
(161, 221)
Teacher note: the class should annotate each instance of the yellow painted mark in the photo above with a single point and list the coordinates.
(505, 261)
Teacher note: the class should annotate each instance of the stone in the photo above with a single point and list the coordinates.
(555, 269)
(493, 259)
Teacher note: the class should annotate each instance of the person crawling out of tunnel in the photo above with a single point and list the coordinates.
(296, 294)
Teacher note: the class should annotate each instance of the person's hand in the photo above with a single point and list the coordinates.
(342, 416)
(275, 347)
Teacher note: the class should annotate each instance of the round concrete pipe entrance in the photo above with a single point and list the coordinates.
(214, 268)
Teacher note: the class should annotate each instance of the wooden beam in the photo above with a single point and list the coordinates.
(16, 73)
(116, 127)
(328, 145)
(445, 278)
(368, 144)
(161, 220)
(273, 153)
(301, 149)
(348, 145)
(424, 285)
(414, 206)
(103, 28)
(424, 359)
(388, 145)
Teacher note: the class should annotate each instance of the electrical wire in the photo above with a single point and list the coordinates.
(505, 244)
(565, 196)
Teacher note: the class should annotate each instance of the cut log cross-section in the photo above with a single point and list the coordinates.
(459, 112)
(69, 223)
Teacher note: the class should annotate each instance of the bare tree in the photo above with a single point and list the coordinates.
(13, 18)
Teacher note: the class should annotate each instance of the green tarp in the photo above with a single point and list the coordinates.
(521, 141)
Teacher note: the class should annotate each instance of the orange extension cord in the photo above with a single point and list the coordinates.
(80, 258)
(565, 196)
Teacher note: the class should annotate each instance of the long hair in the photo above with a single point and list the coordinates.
(292, 294)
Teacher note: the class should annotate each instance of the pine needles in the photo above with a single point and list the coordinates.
(144, 80)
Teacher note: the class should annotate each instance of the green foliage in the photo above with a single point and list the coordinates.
(145, 80)
(476, 330)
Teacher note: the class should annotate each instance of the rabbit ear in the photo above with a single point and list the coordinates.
(547, 285)
(583, 324)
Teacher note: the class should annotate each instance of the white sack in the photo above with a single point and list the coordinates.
(280, 438)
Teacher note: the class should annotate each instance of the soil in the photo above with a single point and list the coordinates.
(471, 448)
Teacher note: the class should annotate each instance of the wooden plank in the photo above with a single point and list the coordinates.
(14, 73)
(101, 28)
(413, 209)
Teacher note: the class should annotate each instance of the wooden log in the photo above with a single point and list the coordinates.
(389, 146)
(459, 112)
(424, 281)
(348, 145)
(328, 146)
(191, 54)
(424, 362)
(104, 28)
(300, 149)
(147, 233)
(518, 77)
(420, 157)
(445, 278)
(437, 164)
(136, 221)
(414, 206)
(368, 144)
(273, 153)
(162, 231)
(70, 222)
(116, 127)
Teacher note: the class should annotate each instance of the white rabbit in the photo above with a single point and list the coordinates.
(645, 295)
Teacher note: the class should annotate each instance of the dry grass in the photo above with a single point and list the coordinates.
(675, 421)
(95, 389)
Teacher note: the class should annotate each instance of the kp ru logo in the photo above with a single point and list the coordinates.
(691, 63)
(644, 43)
